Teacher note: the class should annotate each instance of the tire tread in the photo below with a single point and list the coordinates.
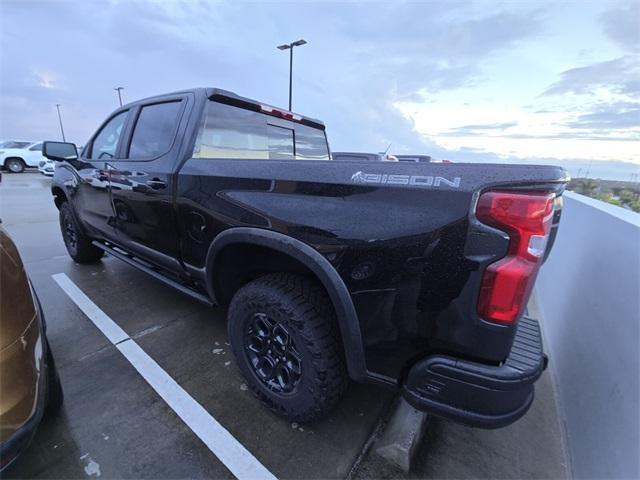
(308, 308)
(86, 252)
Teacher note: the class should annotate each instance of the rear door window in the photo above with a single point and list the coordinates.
(155, 130)
(233, 132)
(105, 144)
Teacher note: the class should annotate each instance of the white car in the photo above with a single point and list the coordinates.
(16, 159)
(47, 167)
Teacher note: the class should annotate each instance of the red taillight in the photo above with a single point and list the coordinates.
(506, 284)
(276, 112)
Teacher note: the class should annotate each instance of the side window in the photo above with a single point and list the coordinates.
(231, 132)
(36, 148)
(154, 130)
(311, 143)
(105, 145)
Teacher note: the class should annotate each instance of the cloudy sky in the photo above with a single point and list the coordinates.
(534, 81)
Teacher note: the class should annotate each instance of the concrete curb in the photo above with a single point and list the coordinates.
(403, 433)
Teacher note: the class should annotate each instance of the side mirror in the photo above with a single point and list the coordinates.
(59, 151)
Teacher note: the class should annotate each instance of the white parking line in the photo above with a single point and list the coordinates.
(240, 462)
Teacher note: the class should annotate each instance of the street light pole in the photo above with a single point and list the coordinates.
(290, 46)
(290, 75)
(60, 120)
(118, 89)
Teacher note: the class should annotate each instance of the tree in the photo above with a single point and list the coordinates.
(587, 187)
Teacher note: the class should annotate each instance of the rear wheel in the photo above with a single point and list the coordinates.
(78, 244)
(14, 165)
(284, 336)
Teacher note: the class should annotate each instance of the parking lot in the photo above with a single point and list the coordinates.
(115, 425)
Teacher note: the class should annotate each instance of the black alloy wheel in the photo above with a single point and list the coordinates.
(272, 354)
(284, 336)
(69, 233)
(78, 244)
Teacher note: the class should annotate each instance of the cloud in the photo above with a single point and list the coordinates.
(572, 136)
(620, 75)
(44, 79)
(480, 129)
(362, 60)
(612, 116)
(361, 57)
(622, 25)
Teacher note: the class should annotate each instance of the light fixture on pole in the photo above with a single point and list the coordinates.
(290, 47)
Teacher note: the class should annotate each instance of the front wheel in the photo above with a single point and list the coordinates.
(14, 165)
(78, 245)
(283, 334)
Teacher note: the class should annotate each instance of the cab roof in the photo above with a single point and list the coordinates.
(231, 98)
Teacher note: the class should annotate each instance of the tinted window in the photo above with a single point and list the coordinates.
(311, 143)
(232, 132)
(13, 144)
(105, 145)
(36, 148)
(155, 129)
(280, 141)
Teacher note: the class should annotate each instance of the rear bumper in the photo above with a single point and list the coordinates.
(476, 394)
(13, 446)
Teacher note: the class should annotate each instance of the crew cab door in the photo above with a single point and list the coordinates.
(92, 200)
(142, 183)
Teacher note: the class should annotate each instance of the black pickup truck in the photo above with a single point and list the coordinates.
(410, 275)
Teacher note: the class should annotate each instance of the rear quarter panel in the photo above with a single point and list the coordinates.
(410, 255)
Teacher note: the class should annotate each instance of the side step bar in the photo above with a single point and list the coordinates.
(154, 273)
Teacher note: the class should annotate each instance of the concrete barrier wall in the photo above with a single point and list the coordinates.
(588, 293)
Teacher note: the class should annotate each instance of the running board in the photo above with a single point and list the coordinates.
(155, 274)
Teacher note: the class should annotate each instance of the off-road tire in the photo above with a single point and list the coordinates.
(78, 244)
(14, 165)
(303, 308)
(55, 396)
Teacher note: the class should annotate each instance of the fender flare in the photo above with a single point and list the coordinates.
(55, 187)
(324, 271)
(68, 195)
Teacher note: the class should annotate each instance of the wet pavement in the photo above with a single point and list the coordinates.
(114, 425)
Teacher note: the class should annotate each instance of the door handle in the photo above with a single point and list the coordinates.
(156, 183)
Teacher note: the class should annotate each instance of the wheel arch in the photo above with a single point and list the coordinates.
(59, 195)
(302, 254)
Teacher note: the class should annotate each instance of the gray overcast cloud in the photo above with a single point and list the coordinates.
(371, 71)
